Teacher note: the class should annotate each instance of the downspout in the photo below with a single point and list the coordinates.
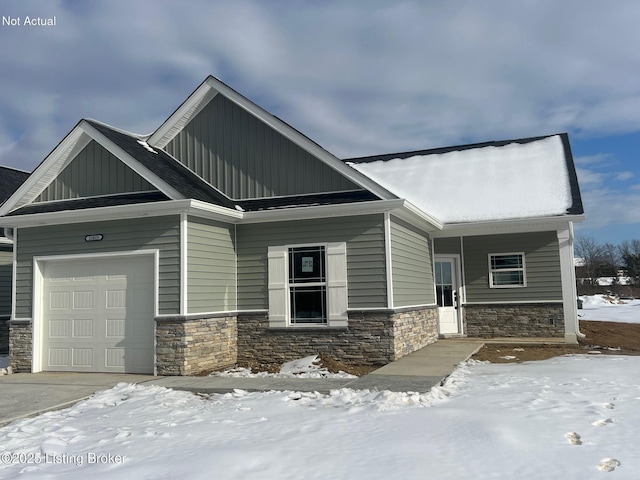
(568, 280)
(573, 270)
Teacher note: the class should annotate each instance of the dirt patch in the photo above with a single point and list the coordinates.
(605, 337)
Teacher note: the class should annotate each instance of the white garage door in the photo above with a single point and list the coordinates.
(98, 315)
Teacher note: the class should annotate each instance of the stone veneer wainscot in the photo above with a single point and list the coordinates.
(522, 320)
(373, 337)
(194, 345)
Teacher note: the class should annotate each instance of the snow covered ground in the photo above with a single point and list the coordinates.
(567, 417)
(599, 307)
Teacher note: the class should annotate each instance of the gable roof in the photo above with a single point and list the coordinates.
(172, 178)
(212, 87)
(11, 180)
(492, 181)
(174, 173)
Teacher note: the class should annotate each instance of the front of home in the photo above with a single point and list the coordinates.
(228, 236)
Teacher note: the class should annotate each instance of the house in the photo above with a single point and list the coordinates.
(10, 180)
(227, 235)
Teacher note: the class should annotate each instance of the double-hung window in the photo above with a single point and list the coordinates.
(507, 270)
(308, 285)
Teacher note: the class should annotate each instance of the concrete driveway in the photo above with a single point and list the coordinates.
(26, 394)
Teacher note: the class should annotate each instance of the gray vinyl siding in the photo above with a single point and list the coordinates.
(6, 274)
(447, 246)
(542, 263)
(94, 172)
(211, 266)
(162, 233)
(245, 158)
(411, 265)
(363, 235)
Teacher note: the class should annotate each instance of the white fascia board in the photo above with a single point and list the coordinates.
(418, 218)
(49, 169)
(118, 212)
(211, 211)
(322, 211)
(521, 225)
(133, 164)
(176, 122)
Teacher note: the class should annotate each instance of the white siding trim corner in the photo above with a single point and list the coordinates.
(388, 259)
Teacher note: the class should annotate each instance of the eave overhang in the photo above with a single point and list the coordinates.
(398, 207)
(517, 225)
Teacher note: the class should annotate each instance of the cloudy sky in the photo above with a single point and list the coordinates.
(359, 77)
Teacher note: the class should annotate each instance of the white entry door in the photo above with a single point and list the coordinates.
(446, 280)
(98, 315)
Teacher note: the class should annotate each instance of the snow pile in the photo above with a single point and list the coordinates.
(567, 417)
(609, 309)
(481, 184)
(308, 367)
(385, 400)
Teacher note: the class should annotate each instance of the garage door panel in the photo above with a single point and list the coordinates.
(82, 327)
(82, 357)
(59, 357)
(99, 315)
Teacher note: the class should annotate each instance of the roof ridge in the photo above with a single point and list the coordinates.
(440, 150)
(137, 136)
(15, 169)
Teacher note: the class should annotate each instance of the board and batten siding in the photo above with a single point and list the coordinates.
(542, 267)
(411, 266)
(211, 266)
(364, 236)
(94, 172)
(162, 233)
(245, 158)
(6, 276)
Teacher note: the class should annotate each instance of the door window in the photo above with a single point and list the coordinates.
(444, 284)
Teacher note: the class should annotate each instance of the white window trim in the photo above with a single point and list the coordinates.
(335, 285)
(523, 269)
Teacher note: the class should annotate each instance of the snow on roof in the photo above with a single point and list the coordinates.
(510, 181)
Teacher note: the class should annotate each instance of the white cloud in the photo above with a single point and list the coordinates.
(589, 177)
(607, 207)
(624, 175)
(358, 77)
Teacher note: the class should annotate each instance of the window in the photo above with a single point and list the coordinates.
(507, 270)
(308, 285)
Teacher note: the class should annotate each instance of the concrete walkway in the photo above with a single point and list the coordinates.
(27, 394)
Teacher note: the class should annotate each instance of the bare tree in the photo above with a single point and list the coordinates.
(592, 254)
(610, 263)
(630, 257)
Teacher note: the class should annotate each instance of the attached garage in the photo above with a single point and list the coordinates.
(97, 314)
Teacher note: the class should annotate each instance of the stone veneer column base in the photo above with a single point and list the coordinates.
(20, 345)
(195, 345)
(373, 337)
(514, 320)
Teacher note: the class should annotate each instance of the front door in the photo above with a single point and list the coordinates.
(447, 294)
